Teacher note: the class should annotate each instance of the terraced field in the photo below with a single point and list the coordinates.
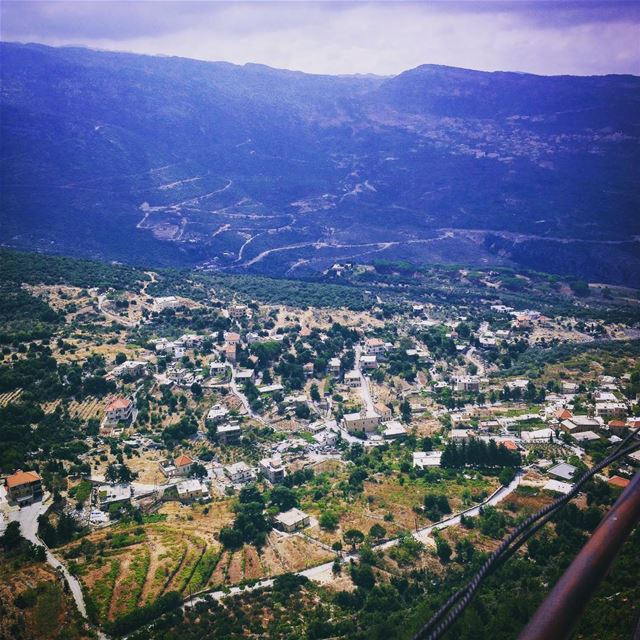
(85, 410)
(9, 396)
(132, 565)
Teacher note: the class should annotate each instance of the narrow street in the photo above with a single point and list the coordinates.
(28, 519)
(245, 402)
(365, 390)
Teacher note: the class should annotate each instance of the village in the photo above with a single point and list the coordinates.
(329, 421)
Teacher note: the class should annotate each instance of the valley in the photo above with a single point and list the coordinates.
(519, 170)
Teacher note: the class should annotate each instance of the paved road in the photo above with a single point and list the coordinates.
(112, 316)
(28, 519)
(497, 496)
(245, 402)
(474, 357)
(322, 572)
(365, 390)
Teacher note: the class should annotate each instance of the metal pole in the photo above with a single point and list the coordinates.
(561, 610)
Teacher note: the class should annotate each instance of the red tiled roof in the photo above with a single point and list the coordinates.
(22, 477)
(183, 460)
(617, 481)
(619, 424)
(563, 414)
(509, 444)
(118, 403)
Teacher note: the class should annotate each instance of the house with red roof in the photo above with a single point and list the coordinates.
(118, 410)
(180, 466)
(618, 482)
(24, 487)
(563, 414)
(617, 426)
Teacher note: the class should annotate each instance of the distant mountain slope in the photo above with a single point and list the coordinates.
(170, 161)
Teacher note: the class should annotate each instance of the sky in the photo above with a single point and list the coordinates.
(343, 37)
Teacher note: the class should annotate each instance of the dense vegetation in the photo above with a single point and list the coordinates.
(34, 268)
(392, 608)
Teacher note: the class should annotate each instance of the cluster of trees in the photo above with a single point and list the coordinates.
(60, 533)
(530, 394)
(24, 317)
(120, 472)
(144, 614)
(57, 435)
(250, 524)
(436, 505)
(16, 547)
(186, 427)
(478, 453)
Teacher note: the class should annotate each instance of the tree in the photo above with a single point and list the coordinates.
(363, 576)
(353, 537)
(405, 411)
(377, 531)
(196, 389)
(251, 493)
(443, 549)
(12, 537)
(230, 538)
(121, 357)
(283, 498)
(302, 411)
(198, 470)
(506, 476)
(328, 520)
(314, 392)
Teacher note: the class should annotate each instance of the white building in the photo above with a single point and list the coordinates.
(130, 369)
(374, 346)
(468, 384)
(192, 489)
(368, 362)
(539, 436)
(270, 388)
(334, 365)
(118, 410)
(578, 424)
(272, 469)
(460, 435)
(393, 430)
(237, 311)
(611, 410)
(229, 433)
(217, 413)
(239, 473)
(423, 459)
(245, 375)
(562, 471)
(292, 520)
(352, 379)
(557, 486)
(180, 466)
(361, 422)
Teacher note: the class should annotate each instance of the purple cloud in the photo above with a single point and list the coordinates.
(545, 37)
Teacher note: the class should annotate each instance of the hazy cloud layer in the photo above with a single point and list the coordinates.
(545, 37)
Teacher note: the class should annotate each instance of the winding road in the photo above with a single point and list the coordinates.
(323, 571)
(28, 519)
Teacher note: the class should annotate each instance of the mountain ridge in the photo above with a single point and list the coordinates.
(168, 160)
